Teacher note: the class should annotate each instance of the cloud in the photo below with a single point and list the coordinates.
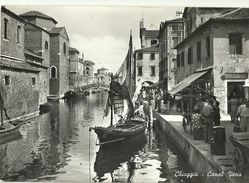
(105, 51)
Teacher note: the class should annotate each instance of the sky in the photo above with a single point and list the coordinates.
(102, 33)
(100, 29)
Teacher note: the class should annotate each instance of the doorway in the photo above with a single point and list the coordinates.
(236, 87)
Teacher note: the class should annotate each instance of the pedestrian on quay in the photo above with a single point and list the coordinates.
(234, 104)
(158, 98)
(178, 101)
(243, 114)
(208, 114)
(216, 113)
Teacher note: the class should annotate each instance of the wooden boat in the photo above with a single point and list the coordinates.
(119, 132)
(9, 129)
(121, 92)
(69, 95)
(240, 142)
(53, 98)
(44, 108)
(8, 137)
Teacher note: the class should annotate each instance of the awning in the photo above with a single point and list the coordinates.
(187, 82)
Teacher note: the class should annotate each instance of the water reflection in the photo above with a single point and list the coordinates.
(57, 146)
(110, 157)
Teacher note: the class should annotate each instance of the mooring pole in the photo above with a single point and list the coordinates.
(1, 107)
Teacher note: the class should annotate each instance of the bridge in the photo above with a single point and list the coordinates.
(89, 86)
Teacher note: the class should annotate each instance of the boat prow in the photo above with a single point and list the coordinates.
(119, 132)
(10, 128)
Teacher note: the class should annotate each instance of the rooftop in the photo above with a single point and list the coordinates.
(102, 68)
(220, 10)
(56, 30)
(71, 49)
(88, 62)
(239, 15)
(154, 48)
(18, 66)
(37, 14)
(32, 53)
(151, 33)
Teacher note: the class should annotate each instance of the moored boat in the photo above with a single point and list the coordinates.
(53, 97)
(119, 99)
(119, 132)
(9, 129)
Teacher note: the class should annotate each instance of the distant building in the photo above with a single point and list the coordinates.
(102, 76)
(148, 38)
(73, 67)
(59, 50)
(88, 67)
(147, 58)
(214, 56)
(19, 78)
(37, 43)
(147, 61)
(170, 34)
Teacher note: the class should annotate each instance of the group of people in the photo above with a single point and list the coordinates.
(211, 115)
(239, 112)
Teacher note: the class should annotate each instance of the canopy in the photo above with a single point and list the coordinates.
(187, 82)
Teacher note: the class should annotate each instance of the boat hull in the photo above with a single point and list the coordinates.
(10, 130)
(120, 132)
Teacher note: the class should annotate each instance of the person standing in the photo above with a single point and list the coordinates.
(234, 104)
(216, 113)
(243, 114)
(158, 100)
(208, 114)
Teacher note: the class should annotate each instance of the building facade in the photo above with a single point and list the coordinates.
(103, 77)
(73, 67)
(147, 61)
(19, 88)
(59, 61)
(171, 33)
(147, 58)
(217, 49)
(58, 46)
(37, 44)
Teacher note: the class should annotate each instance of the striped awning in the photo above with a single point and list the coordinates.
(187, 82)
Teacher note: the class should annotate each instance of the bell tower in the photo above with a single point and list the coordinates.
(142, 33)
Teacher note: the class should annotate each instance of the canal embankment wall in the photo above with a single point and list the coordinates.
(196, 152)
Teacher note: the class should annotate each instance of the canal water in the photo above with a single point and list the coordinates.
(58, 147)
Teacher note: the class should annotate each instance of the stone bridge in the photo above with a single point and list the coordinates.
(89, 86)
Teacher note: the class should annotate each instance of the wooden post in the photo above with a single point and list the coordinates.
(111, 115)
(1, 108)
(191, 100)
(1, 115)
(111, 101)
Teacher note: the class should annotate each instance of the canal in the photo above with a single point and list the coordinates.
(58, 147)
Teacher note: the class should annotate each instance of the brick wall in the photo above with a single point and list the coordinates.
(186, 70)
(35, 39)
(63, 66)
(47, 24)
(10, 46)
(20, 97)
(54, 61)
(224, 62)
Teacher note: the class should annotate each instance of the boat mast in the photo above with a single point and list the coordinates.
(111, 115)
(1, 104)
(111, 101)
(1, 107)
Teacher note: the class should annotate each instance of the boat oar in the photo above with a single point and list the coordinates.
(108, 142)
